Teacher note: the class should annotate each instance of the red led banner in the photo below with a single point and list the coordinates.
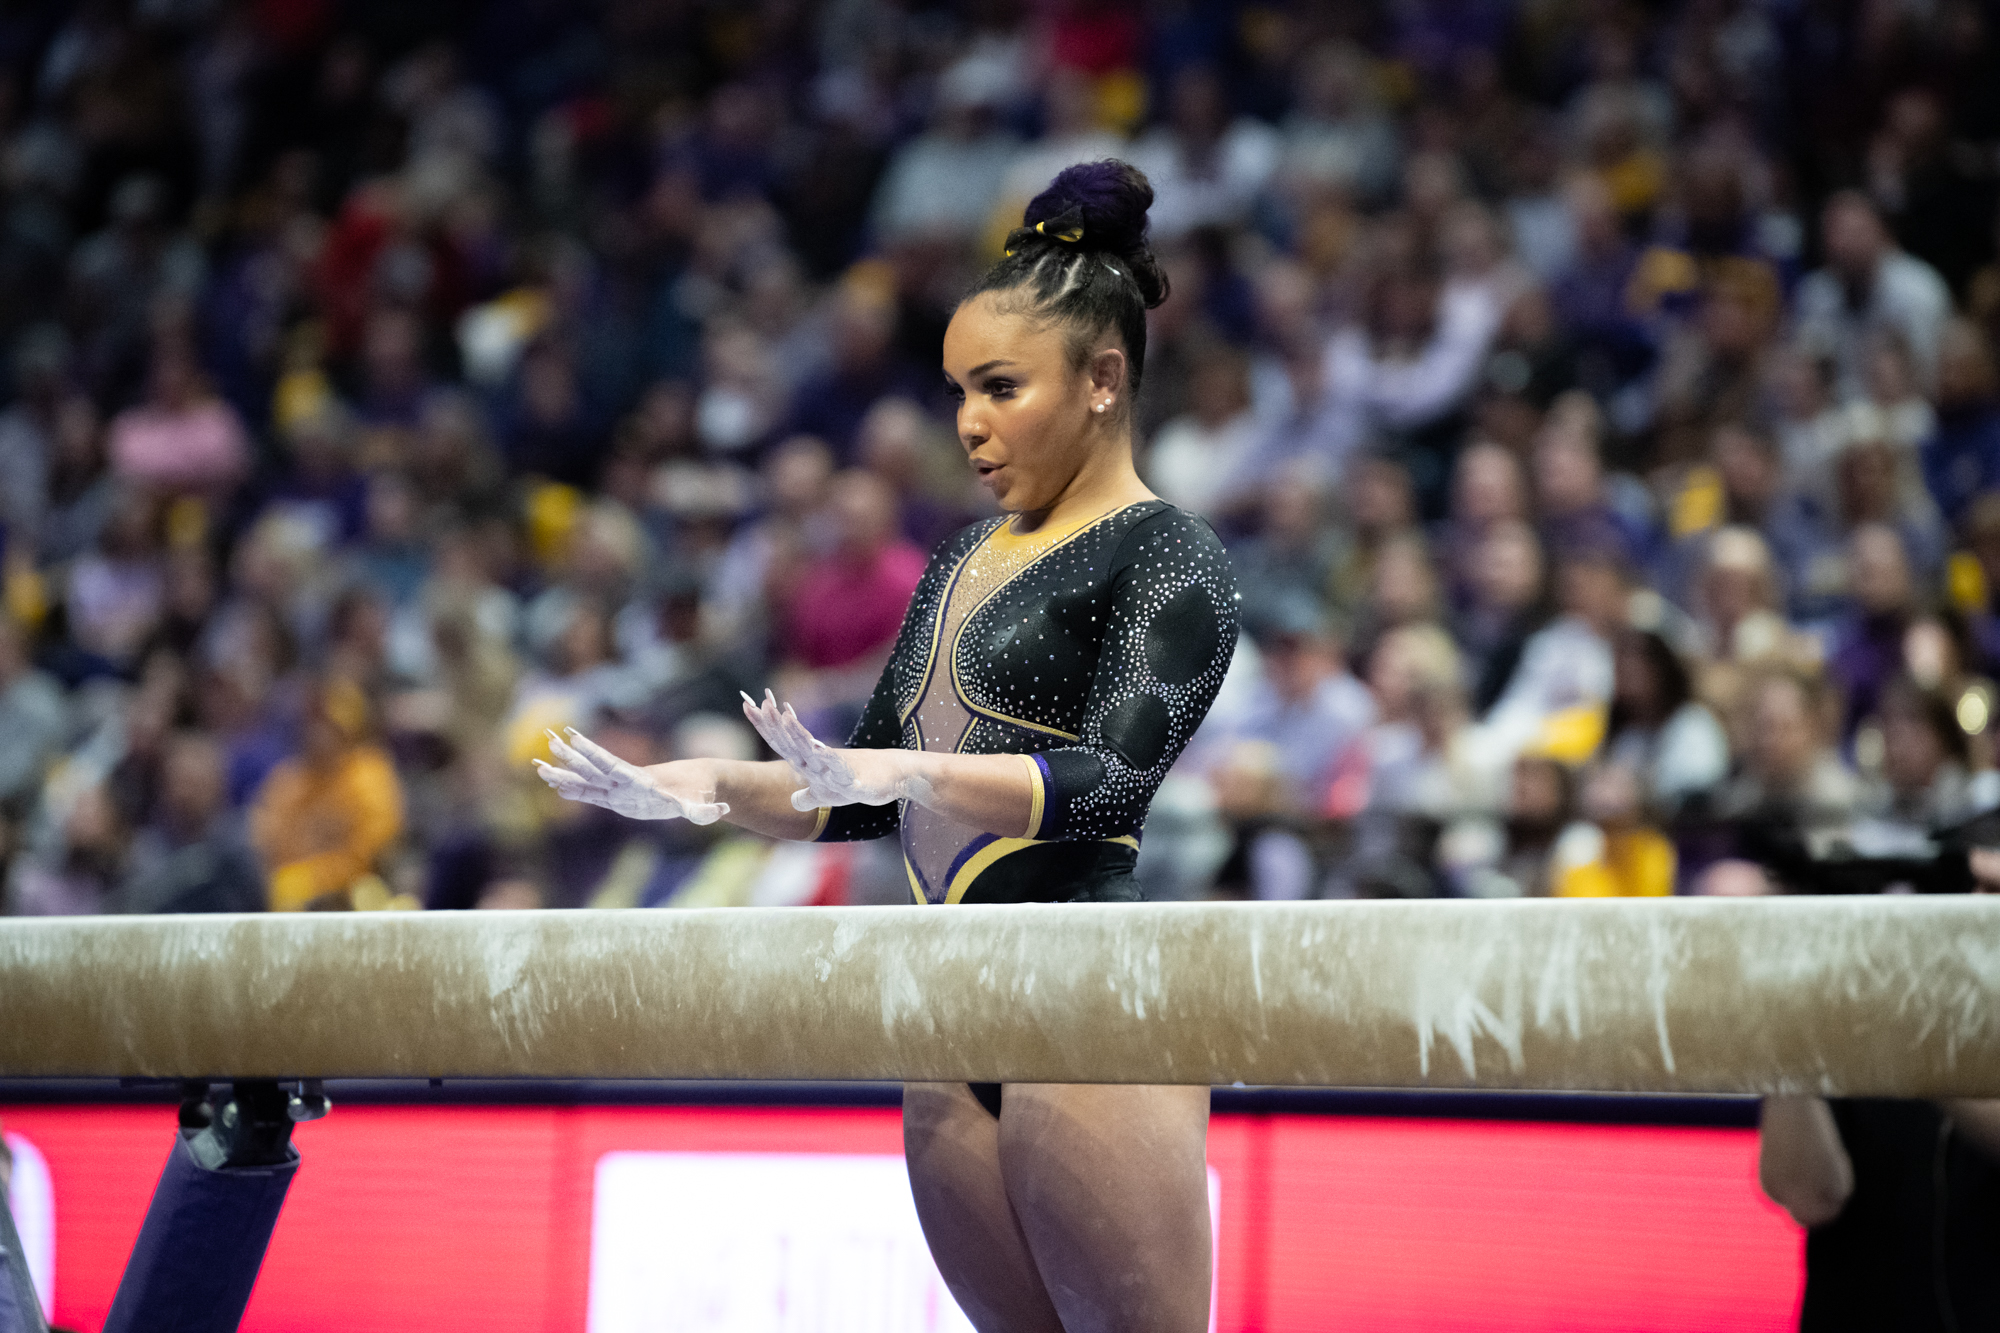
(546, 1219)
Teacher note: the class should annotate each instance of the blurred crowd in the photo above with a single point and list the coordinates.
(1598, 399)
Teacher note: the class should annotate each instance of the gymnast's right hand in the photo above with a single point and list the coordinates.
(592, 774)
(830, 776)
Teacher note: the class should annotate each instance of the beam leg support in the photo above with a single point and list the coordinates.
(213, 1213)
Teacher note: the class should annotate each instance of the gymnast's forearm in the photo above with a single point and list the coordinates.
(1801, 1162)
(993, 793)
(759, 796)
(989, 792)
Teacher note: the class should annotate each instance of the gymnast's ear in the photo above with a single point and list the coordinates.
(1108, 369)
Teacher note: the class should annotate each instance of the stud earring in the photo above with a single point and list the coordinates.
(1102, 406)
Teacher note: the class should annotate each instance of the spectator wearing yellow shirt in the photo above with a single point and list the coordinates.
(1613, 852)
(324, 816)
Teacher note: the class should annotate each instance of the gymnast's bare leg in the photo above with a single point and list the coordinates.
(1083, 1209)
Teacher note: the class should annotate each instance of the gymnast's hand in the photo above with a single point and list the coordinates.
(592, 774)
(831, 777)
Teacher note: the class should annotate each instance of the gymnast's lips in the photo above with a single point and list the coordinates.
(986, 469)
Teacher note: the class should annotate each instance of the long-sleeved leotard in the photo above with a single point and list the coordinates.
(1093, 653)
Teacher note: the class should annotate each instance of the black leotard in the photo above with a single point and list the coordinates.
(1093, 653)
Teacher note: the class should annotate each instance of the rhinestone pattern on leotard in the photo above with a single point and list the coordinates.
(1100, 648)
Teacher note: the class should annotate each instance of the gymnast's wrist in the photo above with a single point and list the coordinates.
(917, 775)
(692, 776)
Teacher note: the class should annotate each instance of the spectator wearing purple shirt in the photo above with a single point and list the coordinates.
(1590, 296)
(1868, 645)
(1961, 459)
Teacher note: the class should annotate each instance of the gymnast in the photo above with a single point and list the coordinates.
(1051, 666)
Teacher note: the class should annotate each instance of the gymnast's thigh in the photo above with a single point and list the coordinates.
(1110, 1184)
(953, 1148)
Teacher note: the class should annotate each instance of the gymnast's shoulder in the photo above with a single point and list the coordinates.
(1168, 533)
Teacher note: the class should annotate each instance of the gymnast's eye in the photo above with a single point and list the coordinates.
(1000, 388)
(953, 392)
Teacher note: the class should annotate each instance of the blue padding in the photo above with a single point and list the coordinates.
(198, 1254)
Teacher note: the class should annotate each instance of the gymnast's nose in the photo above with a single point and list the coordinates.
(972, 428)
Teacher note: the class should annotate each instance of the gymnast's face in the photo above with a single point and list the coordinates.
(1027, 413)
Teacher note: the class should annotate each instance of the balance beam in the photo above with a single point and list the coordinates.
(1844, 996)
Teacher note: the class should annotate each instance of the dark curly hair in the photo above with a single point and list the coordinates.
(1080, 259)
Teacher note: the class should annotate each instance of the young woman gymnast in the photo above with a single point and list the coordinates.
(1052, 664)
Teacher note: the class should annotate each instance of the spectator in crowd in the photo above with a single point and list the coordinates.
(116, 592)
(1380, 506)
(1808, 423)
(1293, 558)
(941, 185)
(1402, 590)
(34, 716)
(323, 819)
(1613, 851)
(1792, 776)
(1658, 731)
(1572, 494)
(1416, 677)
(1940, 655)
(1868, 647)
(1408, 364)
(843, 615)
(183, 439)
(78, 873)
(1541, 796)
(1590, 294)
(1743, 486)
(1555, 698)
(1925, 780)
(511, 396)
(900, 444)
(1509, 603)
(28, 429)
(866, 364)
(1735, 601)
(765, 553)
(1207, 166)
(1194, 456)
(1306, 707)
(1713, 368)
(1488, 489)
(1337, 136)
(1961, 456)
(195, 858)
(1875, 487)
(1869, 287)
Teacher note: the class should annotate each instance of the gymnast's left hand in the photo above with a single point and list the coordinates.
(832, 777)
(592, 774)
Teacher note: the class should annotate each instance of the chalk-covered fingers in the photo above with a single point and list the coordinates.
(830, 776)
(592, 774)
(827, 777)
(782, 731)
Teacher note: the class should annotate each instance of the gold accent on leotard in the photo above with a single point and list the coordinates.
(942, 715)
(1037, 796)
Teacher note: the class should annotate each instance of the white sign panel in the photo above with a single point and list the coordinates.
(761, 1243)
(34, 1204)
(766, 1243)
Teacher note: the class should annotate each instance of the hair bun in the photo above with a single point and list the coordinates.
(1108, 201)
